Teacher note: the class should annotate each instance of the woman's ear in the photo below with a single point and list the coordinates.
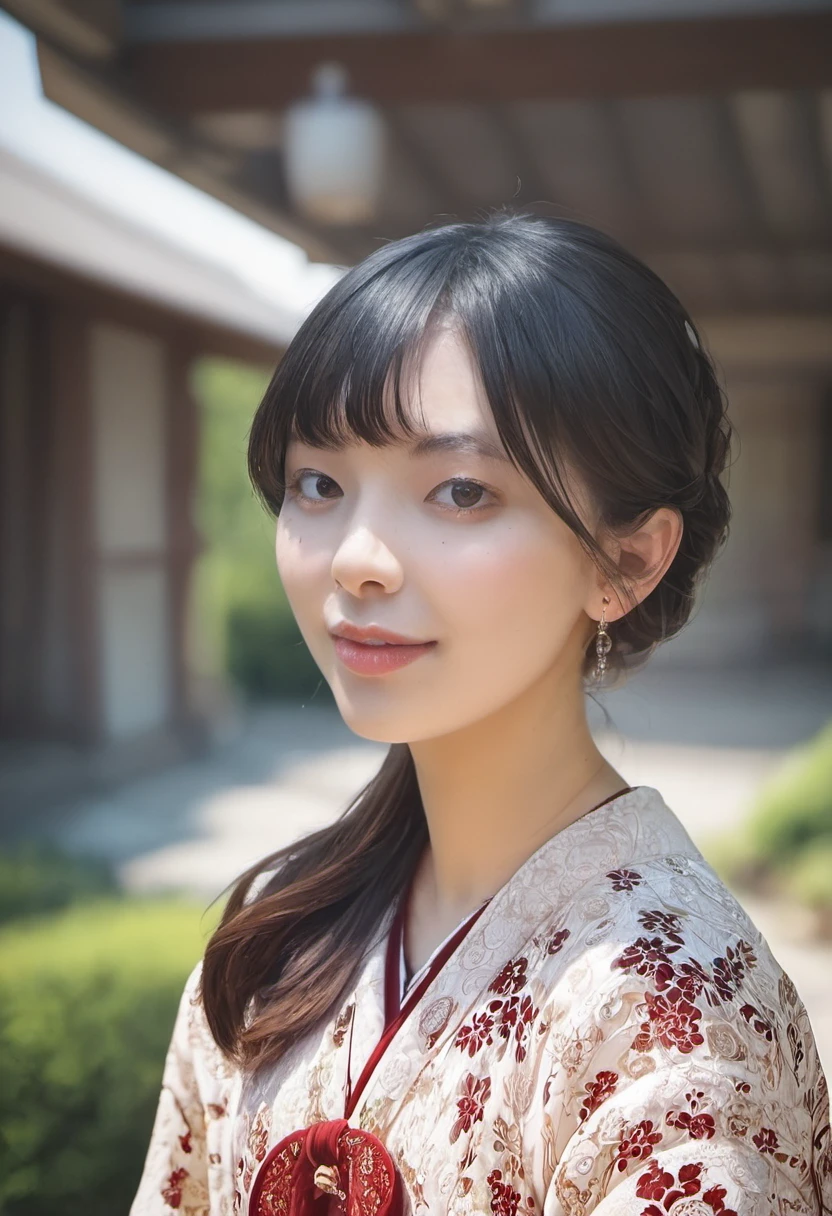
(643, 557)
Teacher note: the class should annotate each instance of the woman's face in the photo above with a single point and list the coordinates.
(450, 546)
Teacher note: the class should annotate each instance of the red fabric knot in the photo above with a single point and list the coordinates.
(328, 1169)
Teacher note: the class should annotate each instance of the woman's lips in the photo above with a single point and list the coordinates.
(377, 660)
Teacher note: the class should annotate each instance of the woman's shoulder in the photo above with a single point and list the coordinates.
(669, 924)
(681, 888)
(664, 971)
(661, 886)
(192, 1039)
(672, 1028)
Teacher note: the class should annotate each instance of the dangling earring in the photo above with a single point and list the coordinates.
(603, 643)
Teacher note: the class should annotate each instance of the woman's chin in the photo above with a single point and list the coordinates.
(381, 719)
(377, 726)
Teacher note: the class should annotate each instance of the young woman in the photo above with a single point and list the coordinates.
(503, 980)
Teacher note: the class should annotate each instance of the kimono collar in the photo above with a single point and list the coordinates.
(633, 828)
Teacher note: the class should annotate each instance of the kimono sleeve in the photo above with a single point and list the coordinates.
(691, 1085)
(175, 1175)
(629, 1162)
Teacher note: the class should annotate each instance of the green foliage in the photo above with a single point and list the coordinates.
(794, 810)
(809, 879)
(267, 655)
(87, 1002)
(244, 620)
(785, 844)
(228, 513)
(731, 857)
(35, 877)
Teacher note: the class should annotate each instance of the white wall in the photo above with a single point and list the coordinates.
(129, 425)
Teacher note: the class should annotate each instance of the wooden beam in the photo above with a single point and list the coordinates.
(98, 97)
(520, 155)
(447, 199)
(776, 341)
(72, 293)
(626, 59)
(89, 28)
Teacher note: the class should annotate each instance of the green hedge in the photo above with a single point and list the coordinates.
(794, 809)
(785, 845)
(255, 633)
(87, 1002)
(36, 877)
(267, 655)
(242, 617)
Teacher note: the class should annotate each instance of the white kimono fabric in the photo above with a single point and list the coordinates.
(610, 1035)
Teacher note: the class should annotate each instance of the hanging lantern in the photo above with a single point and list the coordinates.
(334, 151)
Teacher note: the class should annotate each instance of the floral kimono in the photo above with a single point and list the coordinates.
(608, 1034)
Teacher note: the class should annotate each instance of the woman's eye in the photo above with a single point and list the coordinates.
(317, 482)
(465, 495)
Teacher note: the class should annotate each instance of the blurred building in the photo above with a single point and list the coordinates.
(699, 132)
(99, 325)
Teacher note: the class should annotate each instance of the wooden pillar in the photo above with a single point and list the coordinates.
(183, 538)
(72, 497)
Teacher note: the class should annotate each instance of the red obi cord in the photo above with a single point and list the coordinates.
(328, 1169)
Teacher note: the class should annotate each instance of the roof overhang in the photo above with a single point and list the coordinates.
(697, 131)
(47, 221)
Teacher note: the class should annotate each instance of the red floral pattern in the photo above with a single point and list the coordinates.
(665, 1188)
(505, 1201)
(509, 1019)
(172, 1190)
(766, 1140)
(636, 1143)
(511, 978)
(471, 1105)
(596, 1091)
(649, 957)
(757, 1022)
(556, 941)
(473, 1036)
(513, 1019)
(669, 924)
(624, 880)
(672, 1021)
(697, 1123)
(728, 972)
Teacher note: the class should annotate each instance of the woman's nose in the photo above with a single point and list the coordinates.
(364, 557)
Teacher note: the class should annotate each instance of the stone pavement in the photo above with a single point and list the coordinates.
(704, 740)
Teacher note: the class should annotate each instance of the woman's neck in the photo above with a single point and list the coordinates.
(496, 791)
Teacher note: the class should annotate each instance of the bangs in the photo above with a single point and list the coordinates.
(371, 401)
(343, 377)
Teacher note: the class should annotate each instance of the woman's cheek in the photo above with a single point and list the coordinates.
(299, 561)
(523, 594)
(302, 573)
(487, 578)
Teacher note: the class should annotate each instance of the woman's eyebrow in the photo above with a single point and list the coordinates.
(472, 443)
